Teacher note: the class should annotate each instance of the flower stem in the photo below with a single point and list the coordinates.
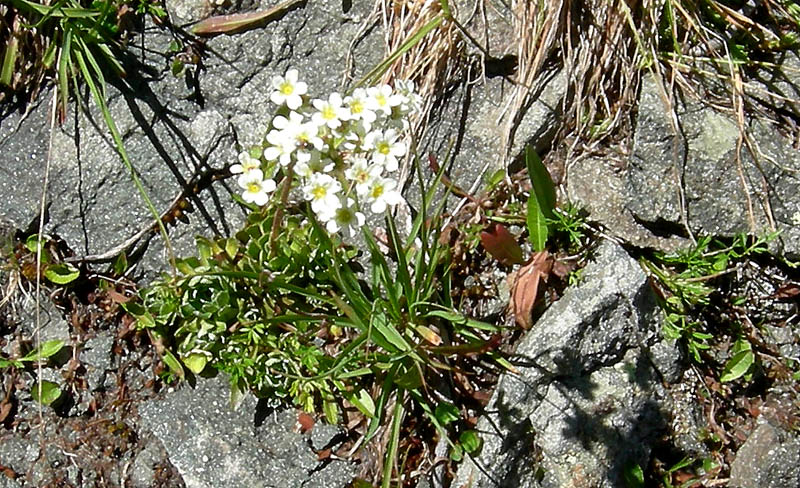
(277, 220)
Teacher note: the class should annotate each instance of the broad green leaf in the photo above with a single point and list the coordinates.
(411, 379)
(457, 453)
(537, 224)
(62, 273)
(50, 392)
(470, 441)
(47, 349)
(542, 183)
(738, 365)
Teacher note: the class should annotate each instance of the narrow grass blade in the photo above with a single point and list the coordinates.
(9, 60)
(394, 442)
(377, 71)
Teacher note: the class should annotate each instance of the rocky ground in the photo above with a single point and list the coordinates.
(599, 391)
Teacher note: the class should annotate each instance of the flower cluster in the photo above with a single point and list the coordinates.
(342, 150)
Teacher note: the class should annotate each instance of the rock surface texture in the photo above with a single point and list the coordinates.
(212, 445)
(700, 176)
(586, 402)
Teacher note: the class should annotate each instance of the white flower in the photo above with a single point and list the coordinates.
(381, 193)
(362, 173)
(796, 218)
(381, 99)
(246, 163)
(306, 167)
(385, 148)
(256, 188)
(357, 104)
(321, 191)
(283, 138)
(412, 102)
(288, 90)
(331, 113)
(346, 217)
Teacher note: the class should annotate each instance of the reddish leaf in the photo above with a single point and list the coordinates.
(499, 242)
(5, 410)
(525, 290)
(305, 422)
(229, 24)
(787, 291)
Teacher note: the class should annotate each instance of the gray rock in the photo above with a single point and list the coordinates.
(693, 177)
(472, 117)
(770, 458)
(143, 471)
(212, 445)
(586, 403)
(18, 454)
(597, 185)
(96, 358)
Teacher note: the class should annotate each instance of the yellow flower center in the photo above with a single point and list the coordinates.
(384, 148)
(319, 192)
(381, 99)
(356, 106)
(287, 88)
(377, 191)
(254, 187)
(328, 113)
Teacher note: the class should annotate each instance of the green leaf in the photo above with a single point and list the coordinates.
(173, 364)
(537, 224)
(447, 413)
(196, 362)
(45, 350)
(331, 410)
(9, 60)
(633, 476)
(62, 273)
(457, 453)
(542, 183)
(470, 441)
(738, 365)
(50, 392)
(363, 402)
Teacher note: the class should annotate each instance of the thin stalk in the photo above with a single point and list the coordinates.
(277, 219)
(394, 441)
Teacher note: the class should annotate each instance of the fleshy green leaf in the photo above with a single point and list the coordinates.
(542, 183)
(62, 273)
(50, 392)
(470, 440)
(47, 349)
(446, 413)
(196, 362)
